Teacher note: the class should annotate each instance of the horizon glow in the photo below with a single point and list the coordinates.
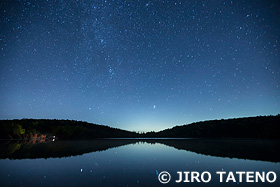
(139, 65)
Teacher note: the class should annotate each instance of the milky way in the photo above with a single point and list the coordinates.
(139, 65)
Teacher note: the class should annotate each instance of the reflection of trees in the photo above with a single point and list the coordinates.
(253, 149)
(58, 148)
(12, 148)
(243, 149)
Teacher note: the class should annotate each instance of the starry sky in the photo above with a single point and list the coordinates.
(139, 65)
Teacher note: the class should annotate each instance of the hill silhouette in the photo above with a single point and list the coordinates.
(62, 129)
(264, 127)
(267, 127)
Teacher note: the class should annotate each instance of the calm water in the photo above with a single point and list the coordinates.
(132, 162)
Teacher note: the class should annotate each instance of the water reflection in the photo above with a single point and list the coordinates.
(263, 150)
(131, 162)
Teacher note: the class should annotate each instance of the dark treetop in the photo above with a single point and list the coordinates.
(267, 127)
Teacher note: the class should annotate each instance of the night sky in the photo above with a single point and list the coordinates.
(139, 65)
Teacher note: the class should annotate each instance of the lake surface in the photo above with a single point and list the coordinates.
(132, 162)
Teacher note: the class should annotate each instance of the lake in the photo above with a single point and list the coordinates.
(133, 162)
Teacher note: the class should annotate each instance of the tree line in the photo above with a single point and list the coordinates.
(266, 127)
(62, 129)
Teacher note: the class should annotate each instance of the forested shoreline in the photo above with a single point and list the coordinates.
(264, 127)
(61, 129)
